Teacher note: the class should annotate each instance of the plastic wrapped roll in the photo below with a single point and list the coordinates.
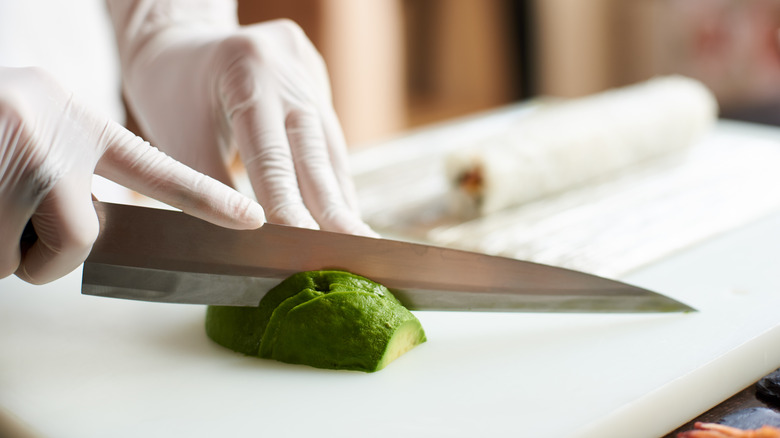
(566, 144)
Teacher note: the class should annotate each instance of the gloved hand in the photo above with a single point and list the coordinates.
(50, 145)
(202, 87)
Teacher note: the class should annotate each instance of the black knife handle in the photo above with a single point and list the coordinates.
(29, 237)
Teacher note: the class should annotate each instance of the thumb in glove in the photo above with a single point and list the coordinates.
(50, 145)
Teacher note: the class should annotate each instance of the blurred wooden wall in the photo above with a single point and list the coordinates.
(732, 46)
(362, 44)
(397, 64)
(584, 47)
(462, 57)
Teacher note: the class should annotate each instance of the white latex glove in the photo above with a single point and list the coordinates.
(201, 87)
(50, 145)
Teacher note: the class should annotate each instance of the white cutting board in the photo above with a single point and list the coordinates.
(79, 366)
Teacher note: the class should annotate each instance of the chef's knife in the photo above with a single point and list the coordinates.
(168, 256)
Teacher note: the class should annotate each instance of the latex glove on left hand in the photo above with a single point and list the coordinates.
(50, 146)
(201, 86)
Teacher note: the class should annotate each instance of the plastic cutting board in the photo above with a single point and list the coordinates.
(78, 366)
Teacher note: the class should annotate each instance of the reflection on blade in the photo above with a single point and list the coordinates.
(159, 255)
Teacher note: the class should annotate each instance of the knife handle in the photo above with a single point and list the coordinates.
(29, 237)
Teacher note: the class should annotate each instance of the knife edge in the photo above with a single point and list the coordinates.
(156, 285)
(167, 256)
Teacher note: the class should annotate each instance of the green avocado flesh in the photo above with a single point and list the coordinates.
(324, 319)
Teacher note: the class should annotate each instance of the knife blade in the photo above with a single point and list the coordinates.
(167, 256)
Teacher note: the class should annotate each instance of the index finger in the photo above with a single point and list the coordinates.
(132, 162)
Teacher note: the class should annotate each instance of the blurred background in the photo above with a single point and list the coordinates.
(399, 64)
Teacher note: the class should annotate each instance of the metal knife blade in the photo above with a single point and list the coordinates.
(168, 256)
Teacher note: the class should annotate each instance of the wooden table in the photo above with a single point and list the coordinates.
(744, 399)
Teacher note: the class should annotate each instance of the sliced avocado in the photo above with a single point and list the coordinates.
(325, 319)
(237, 328)
(278, 316)
(346, 330)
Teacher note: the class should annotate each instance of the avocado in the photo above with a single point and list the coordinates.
(324, 319)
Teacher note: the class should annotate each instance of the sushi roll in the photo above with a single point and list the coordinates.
(565, 144)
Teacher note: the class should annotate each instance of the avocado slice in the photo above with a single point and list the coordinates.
(324, 319)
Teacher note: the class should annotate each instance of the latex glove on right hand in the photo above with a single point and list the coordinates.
(50, 146)
(202, 87)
